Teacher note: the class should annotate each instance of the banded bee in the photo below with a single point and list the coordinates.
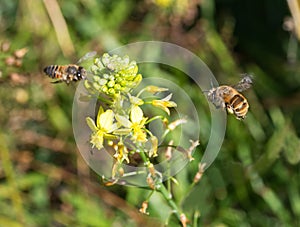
(230, 98)
(70, 72)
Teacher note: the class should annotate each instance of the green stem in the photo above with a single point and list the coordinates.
(169, 181)
(160, 187)
(145, 158)
(104, 99)
(153, 118)
(141, 91)
(165, 133)
(150, 194)
(196, 218)
(168, 197)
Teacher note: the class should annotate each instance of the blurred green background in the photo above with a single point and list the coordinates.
(255, 180)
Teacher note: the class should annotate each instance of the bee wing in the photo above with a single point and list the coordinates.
(244, 84)
(87, 56)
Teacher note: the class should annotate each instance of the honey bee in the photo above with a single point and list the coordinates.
(230, 98)
(70, 72)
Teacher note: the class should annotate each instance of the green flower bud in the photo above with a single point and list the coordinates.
(98, 63)
(94, 69)
(111, 91)
(111, 83)
(87, 84)
(104, 89)
(113, 74)
(96, 86)
(124, 83)
(117, 87)
(138, 79)
(102, 81)
(96, 78)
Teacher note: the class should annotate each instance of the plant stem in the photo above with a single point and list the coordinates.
(168, 197)
(160, 187)
(145, 158)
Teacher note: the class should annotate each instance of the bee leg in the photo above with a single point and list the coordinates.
(217, 106)
(229, 109)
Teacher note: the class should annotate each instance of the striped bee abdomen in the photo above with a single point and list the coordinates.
(52, 71)
(239, 106)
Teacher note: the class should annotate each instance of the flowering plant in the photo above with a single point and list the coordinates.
(122, 125)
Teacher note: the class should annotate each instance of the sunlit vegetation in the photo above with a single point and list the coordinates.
(255, 179)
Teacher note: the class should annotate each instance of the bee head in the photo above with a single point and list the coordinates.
(211, 90)
(211, 94)
(247, 78)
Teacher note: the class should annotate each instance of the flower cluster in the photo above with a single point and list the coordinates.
(121, 124)
(113, 75)
(112, 126)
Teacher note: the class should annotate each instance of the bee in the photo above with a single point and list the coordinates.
(230, 98)
(70, 72)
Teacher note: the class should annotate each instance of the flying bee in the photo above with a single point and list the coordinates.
(65, 73)
(230, 98)
(70, 72)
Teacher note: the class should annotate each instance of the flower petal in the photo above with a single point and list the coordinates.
(161, 104)
(123, 121)
(135, 100)
(154, 89)
(106, 120)
(136, 114)
(100, 111)
(167, 98)
(113, 127)
(122, 131)
(91, 124)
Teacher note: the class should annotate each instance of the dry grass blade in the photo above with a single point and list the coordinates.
(60, 27)
(294, 6)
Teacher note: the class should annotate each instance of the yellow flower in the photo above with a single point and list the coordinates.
(103, 128)
(121, 152)
(164, 103)
(136, 124)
